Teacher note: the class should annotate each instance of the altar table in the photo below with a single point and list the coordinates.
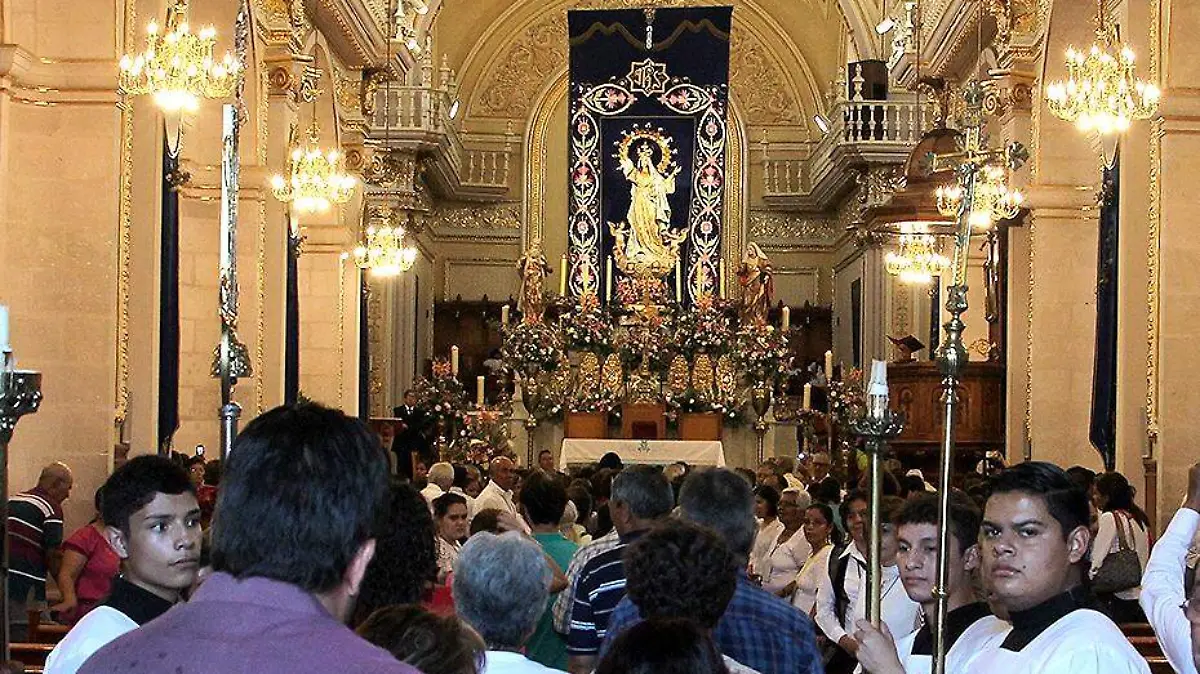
(655, 452)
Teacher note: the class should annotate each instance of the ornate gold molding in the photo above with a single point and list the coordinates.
(124, 235)
(535, 162)
(450, 217)
(1153, 267)
(341, 331)
(793, 228)
(758, 81)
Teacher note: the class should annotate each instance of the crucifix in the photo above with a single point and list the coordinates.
(966, 165)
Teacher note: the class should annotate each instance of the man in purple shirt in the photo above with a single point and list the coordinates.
(299, 497)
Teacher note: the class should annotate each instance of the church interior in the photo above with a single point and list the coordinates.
(469, 199)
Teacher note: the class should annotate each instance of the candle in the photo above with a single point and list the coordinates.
(808, 396)
(829, 366)
(562, 275)
(4, 345)
(608, 279)
(454, 361)
(721, 274)
(787, 319)
(679, 279)
(504, 315)
(479, 391)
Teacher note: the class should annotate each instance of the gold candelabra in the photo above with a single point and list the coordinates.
(918, 259)
(318, 177)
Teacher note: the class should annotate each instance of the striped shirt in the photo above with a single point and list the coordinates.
(600, 588)
(562, 605)
(35, 527)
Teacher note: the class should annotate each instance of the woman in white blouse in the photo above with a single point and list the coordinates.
(820, 533)
(1120, 520)
(789, 550)
(766, 511)
(450, 519)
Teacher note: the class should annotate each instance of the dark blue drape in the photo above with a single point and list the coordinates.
(168, 314)
(1104, 373)
(291, 354)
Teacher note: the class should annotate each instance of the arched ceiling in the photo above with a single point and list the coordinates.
(783, 55)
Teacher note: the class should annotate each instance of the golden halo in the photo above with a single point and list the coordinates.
(648, 135)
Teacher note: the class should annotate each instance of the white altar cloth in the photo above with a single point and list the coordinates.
(696, 453)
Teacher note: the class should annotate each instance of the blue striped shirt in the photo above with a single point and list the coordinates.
(601, 586)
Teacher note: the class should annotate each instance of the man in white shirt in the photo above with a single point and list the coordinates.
(1174, 614)
(970, 622)
(441, 478)
(848, 568)
(1034, 544)
(498, 492)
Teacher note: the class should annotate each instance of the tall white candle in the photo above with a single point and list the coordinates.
(562, 275)
(787, 319)
(808, 396)
(721, 274)
(454, 361)
(479, 391)
(829, 365)
(4, 345)
(504, 315)
(608, 279)
(679, 279)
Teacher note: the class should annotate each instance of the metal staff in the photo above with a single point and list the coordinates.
(231, 359)
(953, 354)
(20, 394)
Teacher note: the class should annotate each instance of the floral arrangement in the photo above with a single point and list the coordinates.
(707, 328)
(442, 394)
(651, 341)
(846, 399)
(759, 352)
(530, 348)
(630, 291)
(484, 436)
(589, 402)
(586, 327)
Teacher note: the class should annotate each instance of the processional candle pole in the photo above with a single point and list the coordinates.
(876, 428)
(20, 394)
(231, 360)
(952, 356)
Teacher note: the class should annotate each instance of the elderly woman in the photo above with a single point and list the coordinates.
(501, 584)
(790, 549)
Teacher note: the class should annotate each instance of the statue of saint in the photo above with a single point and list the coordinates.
(533, 269)
(648, 222)
(758, 286)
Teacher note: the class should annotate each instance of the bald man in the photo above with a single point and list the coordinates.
(498, 492)
(35, 532)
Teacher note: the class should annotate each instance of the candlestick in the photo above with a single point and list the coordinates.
(562, 275)
(787, 319)
(608, 279)
(504, 315)
(721, 275)
(808, 396)
(829, 366)
(4, 345)
(454, 361)
(479, 391)
(679, 279)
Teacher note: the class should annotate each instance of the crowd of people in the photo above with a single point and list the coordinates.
(304, 553)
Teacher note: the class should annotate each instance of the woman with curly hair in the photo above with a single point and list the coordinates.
(433, 644)
(405, 563)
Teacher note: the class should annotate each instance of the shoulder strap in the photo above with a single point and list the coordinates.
(1118, 517)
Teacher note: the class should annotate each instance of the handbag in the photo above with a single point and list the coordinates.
(1121, 570)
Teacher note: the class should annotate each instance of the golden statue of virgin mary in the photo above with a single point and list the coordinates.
(645, 244)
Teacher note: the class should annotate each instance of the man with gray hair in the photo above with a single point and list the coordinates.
(441, 478)
(500, 588)
(757, 629)
(641, 496)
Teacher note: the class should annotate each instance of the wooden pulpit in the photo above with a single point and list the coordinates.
(644, 421)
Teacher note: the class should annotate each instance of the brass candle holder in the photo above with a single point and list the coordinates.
(876, 430)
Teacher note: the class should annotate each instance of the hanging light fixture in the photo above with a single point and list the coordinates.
(384, 253)
(318, 178)
(918, 259)
(178, 68)
(1102, 92)
(994, 201)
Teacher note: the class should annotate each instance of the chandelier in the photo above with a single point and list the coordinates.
(918, 259)
(318, 178)
(384, 253)
(177, 68)
(993, 200)
(1102, 92)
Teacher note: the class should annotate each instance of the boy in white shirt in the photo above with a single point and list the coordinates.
(1173, 609)
(969, 623)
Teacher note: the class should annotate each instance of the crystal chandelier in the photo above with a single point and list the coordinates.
(177, 68)
(384, 253)
(318, 178)
(993, 200)
(1102, 92)
(918, 259)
